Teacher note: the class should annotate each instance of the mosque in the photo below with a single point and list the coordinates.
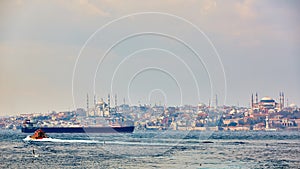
(267, 104)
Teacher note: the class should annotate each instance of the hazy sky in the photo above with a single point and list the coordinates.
(161, 52)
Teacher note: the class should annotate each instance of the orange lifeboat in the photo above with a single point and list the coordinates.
(39, 134)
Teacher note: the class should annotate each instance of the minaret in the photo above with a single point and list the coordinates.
(216, 101)
(267, 122)
(256, 98)
(95, 100)
(282, 100)
(116, 102)
(108, 101)
(116, 99)
(252, 101)
(103, 105)
(87, 104)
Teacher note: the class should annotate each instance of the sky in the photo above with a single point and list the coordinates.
(173, 52)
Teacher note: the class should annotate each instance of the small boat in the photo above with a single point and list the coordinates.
(39, 134)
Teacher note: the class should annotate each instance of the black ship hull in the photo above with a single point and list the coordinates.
(125, 129)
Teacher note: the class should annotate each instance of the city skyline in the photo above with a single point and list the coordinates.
(257, 43)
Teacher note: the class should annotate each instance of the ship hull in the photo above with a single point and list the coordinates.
(127, 129)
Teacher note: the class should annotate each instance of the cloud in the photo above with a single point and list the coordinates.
(85, 7)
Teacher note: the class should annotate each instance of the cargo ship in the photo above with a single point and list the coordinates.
(30, 127)
(101, 118)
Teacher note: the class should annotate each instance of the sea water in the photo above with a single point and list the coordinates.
(152, 149)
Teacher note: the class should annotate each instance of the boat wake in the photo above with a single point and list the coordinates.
(108, 142)
(60, 140)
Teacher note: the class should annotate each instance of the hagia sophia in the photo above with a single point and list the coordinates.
(267, 104)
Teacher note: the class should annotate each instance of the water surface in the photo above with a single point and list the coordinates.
(155, 149)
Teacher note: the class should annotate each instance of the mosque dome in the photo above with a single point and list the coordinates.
(100, 102)
(293, 105)
(267, 99)
(201, 105)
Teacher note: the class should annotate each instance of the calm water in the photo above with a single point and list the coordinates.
(159, 149)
